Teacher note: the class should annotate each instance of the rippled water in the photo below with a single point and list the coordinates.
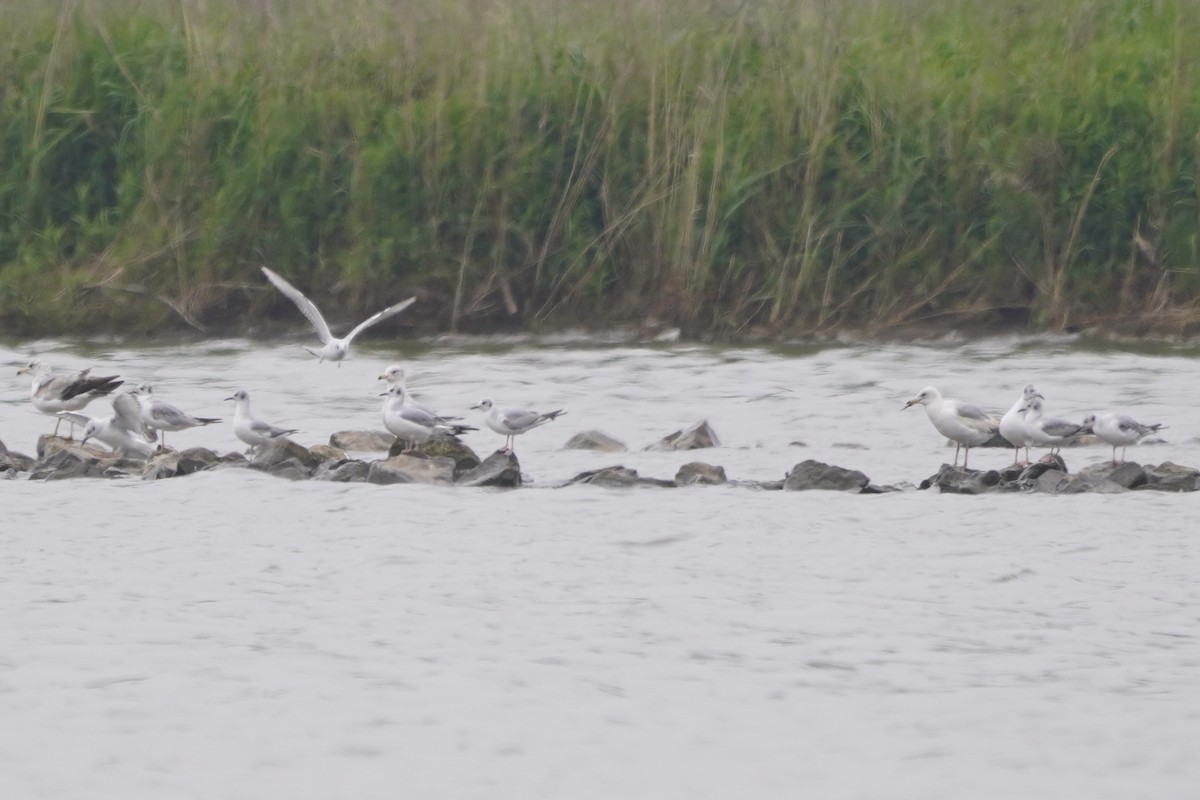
(234, 635)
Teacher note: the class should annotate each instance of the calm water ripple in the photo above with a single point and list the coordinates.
(235, 635)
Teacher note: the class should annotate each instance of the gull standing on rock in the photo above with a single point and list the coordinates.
(247, 428)
(963, 423)
(1013, 427)
(159, 415)
(412, 424)
(1053, 432)
(333, 349)
(394, 376)
(512, 422)
(123, 431)
(52, 393)
(1118, 429)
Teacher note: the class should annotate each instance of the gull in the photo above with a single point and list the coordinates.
(1052, 433)
(250, 430)
(333, 349)
(1118, 429)
(512, 422)
(394, 376)
(65, 392)
(159, 415)
(1012, 424)
(123, 431)
(412, 424)
(964, 424)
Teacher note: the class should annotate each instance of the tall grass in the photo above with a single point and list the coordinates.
(731, 167)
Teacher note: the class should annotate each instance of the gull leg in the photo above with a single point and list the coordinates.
(58, 422)
(966, 455)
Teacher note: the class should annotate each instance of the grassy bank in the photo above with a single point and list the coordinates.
(761, 167)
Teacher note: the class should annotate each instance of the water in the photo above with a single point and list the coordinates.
(234, 635)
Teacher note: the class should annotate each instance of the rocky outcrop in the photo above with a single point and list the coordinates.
(412, 469)
(499, 470)
(594, 440)
(362, 441)
(618, 477)
(810, 474)
(697, 472)
(696, 437)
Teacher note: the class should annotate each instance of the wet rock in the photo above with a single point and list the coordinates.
(345, 471)
(810, 474)
(11, 461)
(362, 441)
(697, 472)
(500, 469)
(594, 440)
(618, 477)
(412, 469)
(957, 480)
(1089, 483)
(197, 459)
(1048, 481)
(48, 445)
(694, 438)
(277, 452)
(163, 464)
(451, 447)
(1169, 477)
(122, 467)
(1128, 475)
(68, 462)
(327, 452)
(291, 470)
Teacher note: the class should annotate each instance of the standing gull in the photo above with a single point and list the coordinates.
(159, 415)
(53, 393)
(1118, 429)
(333, 349)
(250, 430)
(123, 431)
(1049, 432)
(394, 376)
(512, 422)
(1013, 427)
(412, 424)
(964, 424)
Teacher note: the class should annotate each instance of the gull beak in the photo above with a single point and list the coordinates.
(23, 371)
(231, 398)
(912, 402)
(476, 408)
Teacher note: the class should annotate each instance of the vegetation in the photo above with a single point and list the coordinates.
(734, 168)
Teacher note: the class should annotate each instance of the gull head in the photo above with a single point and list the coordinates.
(395, 390)
(484, 405)
(1088, 423)
(143, 389)
(393, 374)
(90, 430)
(239, 395)
(34, 367)
(928, 395)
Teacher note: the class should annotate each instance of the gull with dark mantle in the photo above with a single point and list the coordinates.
(332, 349)
(963, 423)
(54, 393)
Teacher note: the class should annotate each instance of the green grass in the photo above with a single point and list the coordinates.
(768, 167)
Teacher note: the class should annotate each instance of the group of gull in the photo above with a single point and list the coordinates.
(140, 417)
(1025, 425)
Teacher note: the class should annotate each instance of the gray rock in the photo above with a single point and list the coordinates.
(698, 472)
(697, 436)
(956, 480)
(1089, 483)
(594, 440)
(15, 462)
(810, 474)
(347, 471)
(68, 462)
(362, 441)
(412, 469)
(451, 447)
(291, 470)
(197, 459)
(1169, 477)
(48, 445)
(619, 477)
(500, 469)
(163, 464)
(1048, 481)
(1128, 475)
(327, 452)
(282, 449)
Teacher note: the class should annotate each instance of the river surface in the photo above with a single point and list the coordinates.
(235, 635)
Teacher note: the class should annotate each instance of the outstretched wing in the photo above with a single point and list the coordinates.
(75, 417)
(129, 414)
(382, 315)
(303, 303)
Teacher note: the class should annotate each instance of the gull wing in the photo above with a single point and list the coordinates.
(167, 414)
(379, 317)
(975, 417)
(303, 303)
(129, 414)
(518, 419)
(267, 429)
(1061, 427)
(419, 416)
(75, 417)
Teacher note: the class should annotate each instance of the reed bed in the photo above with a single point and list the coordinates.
(763, 167)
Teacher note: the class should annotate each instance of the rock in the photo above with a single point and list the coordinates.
(956, 480)
(122, 466)
(346, 471)
(442, 447)
(15, 462)
(163, 464)
(327, 452)
(362, 441)
(618, 477)
(48, 445)
(1128, 475)
(1089, 483)
(693, 438)
(197, 459)
(698, 472)
(70, 461)
(1169, 477)
(282, 449)
(412, 469)
(1048, 481)
(500, 469)
(594, 440)
(810, 474)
